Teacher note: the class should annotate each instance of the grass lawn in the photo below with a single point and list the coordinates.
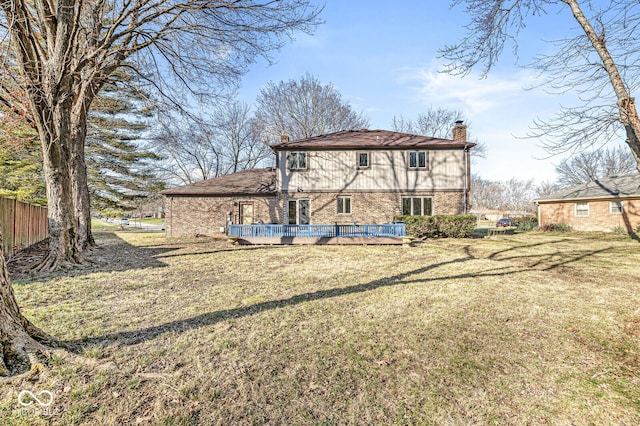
(519, 329)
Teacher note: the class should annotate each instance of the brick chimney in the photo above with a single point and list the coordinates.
(284, 138)
(460, 131)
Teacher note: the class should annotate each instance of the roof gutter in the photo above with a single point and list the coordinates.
(602, 198)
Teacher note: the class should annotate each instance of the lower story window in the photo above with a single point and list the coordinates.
(417, 206)
(299, 212)
(615, 207)
(582, 209)
(344, 205)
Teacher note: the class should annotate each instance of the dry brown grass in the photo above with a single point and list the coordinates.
(525, 329)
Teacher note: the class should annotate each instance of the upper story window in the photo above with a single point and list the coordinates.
(298, 161)
(582, 209)
(418, 159)
(615, 207)
(363, 160)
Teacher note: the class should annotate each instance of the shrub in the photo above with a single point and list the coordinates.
(528, 225)
(557, 227)
(439, 226)
(619, 230)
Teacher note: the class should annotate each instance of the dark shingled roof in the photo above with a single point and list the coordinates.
(370, 139)
(609, 187)
(247, 182)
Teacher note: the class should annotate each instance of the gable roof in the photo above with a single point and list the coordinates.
(608, 187)
(246, 182)
(370, 139)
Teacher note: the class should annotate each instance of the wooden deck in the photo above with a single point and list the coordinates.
(320, 241)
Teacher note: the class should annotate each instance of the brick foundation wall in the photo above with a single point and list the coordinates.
(188, 216)
(599, 219)
(373, 207)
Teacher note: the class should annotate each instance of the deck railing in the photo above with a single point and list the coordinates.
(318, 231)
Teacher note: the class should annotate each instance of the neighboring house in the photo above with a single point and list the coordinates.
(606, 204)
(364, 176)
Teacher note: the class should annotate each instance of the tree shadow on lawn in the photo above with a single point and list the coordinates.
(549, 262)
(114, 254)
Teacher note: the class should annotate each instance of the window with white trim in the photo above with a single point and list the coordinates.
(582, 209)
(298, 161)
(417, 206)
(363, 160)
(344, 205)
(418, 160)
(615, 207)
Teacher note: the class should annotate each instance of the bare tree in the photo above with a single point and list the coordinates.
(239, 135)
(18, 336)
(599, 63)
(198, 148)
(591, 165)
(518, 195)
(514, 194)
(436, 122)
(546, 188)
(63, 53)
(189, 149)
(305, 108)
(485, 194)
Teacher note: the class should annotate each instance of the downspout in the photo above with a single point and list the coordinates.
(466, 177)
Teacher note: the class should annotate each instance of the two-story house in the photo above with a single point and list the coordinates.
(363, 176)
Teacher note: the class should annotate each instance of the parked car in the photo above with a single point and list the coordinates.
(124, 221)
(505, 222)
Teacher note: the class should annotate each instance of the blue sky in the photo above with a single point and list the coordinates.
(382, 57)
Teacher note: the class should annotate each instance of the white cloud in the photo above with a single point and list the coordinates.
(472, 94)
(500, 111)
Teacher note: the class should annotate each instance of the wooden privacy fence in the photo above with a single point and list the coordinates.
(21, 224)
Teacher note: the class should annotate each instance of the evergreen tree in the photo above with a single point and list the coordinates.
(21, 165)
(120, 172)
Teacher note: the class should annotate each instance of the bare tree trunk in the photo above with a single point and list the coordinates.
(57, 154)
(80, 189)
(626, 104)
(17, 335)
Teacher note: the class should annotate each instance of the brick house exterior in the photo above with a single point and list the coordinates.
(352, 176)
(606, 205)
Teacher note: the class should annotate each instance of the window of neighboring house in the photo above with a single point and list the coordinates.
(615, 207)
(363, 160)
(582, 209)
(298, 161)
(418, 159)
(344, 205)
(417, 206)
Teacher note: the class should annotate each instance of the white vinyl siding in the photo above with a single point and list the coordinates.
(336, 171)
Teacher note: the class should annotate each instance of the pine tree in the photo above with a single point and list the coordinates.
(21, 164)
(120, 172)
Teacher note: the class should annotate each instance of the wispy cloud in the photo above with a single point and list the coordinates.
(472, 94)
